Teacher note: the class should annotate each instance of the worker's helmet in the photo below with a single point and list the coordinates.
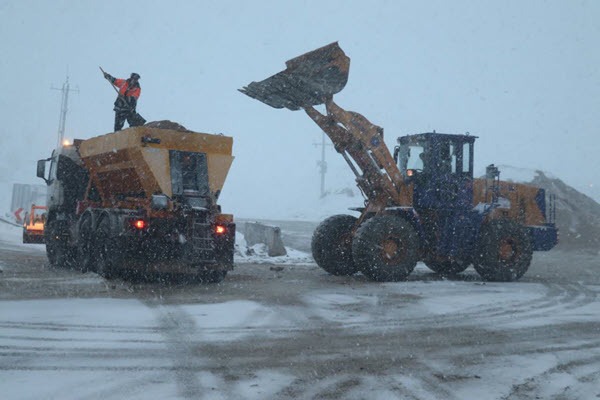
(134, 75)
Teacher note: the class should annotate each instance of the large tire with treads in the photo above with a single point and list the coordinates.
(85, 246)
(504, 251)
(59, 253)
(107, 251)
(385, 248)
(332, 245)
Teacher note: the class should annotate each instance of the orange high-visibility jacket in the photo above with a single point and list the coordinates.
(125, 90)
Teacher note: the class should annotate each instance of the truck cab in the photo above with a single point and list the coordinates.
(65, 177)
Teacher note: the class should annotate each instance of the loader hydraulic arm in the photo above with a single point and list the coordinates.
(312, 79)
(361, 144)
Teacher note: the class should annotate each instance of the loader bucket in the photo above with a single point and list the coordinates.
(308, 80)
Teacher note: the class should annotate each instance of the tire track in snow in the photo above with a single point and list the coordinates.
(179, 329)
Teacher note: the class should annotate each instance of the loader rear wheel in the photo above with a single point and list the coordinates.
(332, 245)
(505, 251)
(106, 251)
(85, 247)
(385, 248)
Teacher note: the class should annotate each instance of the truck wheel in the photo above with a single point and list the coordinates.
(332, 245)
(107, 253)
(59, 253)
(505, 251)
(85, 247)
(447, 267)
(385, 248)
(211, 276)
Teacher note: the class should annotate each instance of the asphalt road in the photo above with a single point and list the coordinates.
(297, 332)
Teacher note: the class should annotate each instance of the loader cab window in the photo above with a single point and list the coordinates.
(446, 163)
(466, 157)
(411, 159)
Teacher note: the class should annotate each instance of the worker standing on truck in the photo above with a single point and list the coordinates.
(126, 102)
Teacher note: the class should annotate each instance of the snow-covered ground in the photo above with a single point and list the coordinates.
(116, 348)
(299, 333)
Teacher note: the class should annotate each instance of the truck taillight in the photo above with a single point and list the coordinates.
(220, 229)
(139, 223)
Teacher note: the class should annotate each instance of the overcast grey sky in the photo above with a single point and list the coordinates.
(524, 76)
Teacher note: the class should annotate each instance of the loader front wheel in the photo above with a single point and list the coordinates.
(385, 248)
(505, 251)
(332, 245)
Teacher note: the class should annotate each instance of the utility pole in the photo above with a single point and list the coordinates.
(322, 164)
(66, 88)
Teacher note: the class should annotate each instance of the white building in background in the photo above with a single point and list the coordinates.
(24, 195)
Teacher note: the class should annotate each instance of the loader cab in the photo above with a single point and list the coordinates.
(440, 167)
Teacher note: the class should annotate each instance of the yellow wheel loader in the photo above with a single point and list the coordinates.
(422, 202)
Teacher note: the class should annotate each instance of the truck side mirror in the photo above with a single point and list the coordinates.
(41, 169)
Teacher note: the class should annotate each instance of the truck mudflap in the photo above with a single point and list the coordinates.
(308, 80)
(544, 237)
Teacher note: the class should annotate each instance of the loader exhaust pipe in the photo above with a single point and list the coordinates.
(308, 80)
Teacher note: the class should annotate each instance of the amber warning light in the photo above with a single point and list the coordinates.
(220, 229)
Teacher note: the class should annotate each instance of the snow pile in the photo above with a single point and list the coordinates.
(515, 174)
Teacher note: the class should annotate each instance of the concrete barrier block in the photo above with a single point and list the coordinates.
(255, 232)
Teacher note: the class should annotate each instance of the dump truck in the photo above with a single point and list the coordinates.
(422, 203)
(33, 224)
(141, 201)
